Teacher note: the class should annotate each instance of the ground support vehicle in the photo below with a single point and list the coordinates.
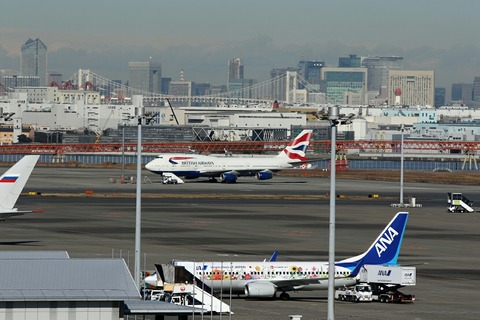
(457, 202)
(358, 293)
(390, 294)
(385, 282)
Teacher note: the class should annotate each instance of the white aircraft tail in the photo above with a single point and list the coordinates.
(296, 150)
(13, 181)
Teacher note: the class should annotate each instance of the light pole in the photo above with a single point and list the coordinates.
(333, 116)
(123, 154)
(138, 214)
(401, 167)
(138, 100)
(335, 119)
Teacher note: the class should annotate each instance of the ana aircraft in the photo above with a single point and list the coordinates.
(265, 279)
(193, 166)
(12, 183)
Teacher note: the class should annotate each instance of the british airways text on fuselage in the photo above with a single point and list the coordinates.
(196, 163)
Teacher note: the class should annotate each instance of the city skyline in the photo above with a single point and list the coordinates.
(201, 38)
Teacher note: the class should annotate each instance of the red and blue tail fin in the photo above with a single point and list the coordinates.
(384, 250)
(296, 150)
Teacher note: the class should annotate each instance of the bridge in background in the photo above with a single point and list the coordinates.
(282, 88)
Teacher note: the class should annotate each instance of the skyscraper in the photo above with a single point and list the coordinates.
(34, 60)
(462, 92)
(235, 69)
(345, 85)
(182, 88)
(412, 88)
(476, 89)
(145, 76)
(352, 61)
(235, 83)
(311, 71)
(378, 67)
(440, 94)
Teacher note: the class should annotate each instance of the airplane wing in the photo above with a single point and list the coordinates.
(4, 215)
(299, 163)
(299, 283)
(304, 282)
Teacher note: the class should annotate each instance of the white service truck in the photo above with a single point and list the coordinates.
(386, 280)
(359, 293)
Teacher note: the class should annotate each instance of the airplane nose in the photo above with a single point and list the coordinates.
(148, 166)
(151, 280)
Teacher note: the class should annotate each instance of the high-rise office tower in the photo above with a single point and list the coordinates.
(462, 92)
(440, 94)
(378, 67)
(235, 69)
(476, 89)
(55, 78)
(182, 88)
(411, 88)
(352, 61)
(34, 60)
(311, 71)
(345, 85)
(235, 83)
(145, 76)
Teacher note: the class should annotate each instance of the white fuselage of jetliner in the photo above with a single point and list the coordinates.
(229, 168)
(265, 279)
(210, 166)
(236, 276)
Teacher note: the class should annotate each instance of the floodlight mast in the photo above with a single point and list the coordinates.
(333, 117)
(401, 165)
(138, 212)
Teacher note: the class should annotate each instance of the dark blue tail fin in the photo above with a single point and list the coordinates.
(274, 256)
(385, 249)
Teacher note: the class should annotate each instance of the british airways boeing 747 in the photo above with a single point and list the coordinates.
(193, 166)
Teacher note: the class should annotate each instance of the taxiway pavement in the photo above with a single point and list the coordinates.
(248, 221)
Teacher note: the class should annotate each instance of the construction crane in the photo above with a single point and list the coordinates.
(100, 133)
(173, 112)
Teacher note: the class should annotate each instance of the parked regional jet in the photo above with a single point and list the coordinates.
(264, 279)
(193, 166)
(11, 185)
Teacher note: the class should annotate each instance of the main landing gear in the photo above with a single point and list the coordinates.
(284, 296)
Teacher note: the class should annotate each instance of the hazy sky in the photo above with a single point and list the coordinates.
(200, 36)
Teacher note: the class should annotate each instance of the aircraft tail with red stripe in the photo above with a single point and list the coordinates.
(296, 150)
